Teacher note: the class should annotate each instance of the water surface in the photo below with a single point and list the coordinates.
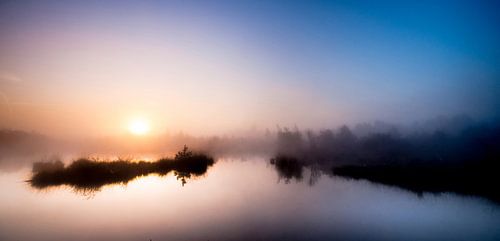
(240, 200)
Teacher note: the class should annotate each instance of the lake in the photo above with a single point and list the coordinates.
(240, 199)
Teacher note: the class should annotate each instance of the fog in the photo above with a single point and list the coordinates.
(85, 70)
(249, 119)
(316, 86)
(440, 139)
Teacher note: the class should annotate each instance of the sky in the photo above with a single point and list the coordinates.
(90, 68)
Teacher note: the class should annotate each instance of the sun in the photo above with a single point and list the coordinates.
(139, 127)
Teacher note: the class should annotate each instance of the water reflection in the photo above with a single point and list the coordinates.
(469, 180)
(253, 207)
(290, 168)
(89, 175)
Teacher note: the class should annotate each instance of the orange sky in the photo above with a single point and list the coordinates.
(73, 69)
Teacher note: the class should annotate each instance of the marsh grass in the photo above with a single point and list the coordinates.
(474, 179)
(92, 174)
(467, 180)
(464, 162)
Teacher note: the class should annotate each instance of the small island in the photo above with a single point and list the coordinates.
(88, 174)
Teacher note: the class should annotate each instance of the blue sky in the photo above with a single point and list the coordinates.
(311, 63)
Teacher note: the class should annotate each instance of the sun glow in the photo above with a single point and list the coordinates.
(139, 127)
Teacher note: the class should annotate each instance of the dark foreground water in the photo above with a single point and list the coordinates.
(240, 200)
